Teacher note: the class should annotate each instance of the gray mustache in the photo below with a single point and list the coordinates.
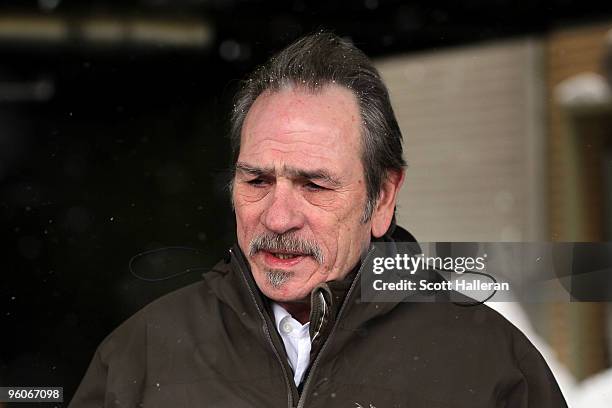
(273, 242)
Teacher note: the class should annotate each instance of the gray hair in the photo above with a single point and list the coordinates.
(319, 60)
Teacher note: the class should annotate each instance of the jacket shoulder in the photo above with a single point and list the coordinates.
(477, 327)
(136, 356)
(169, 313)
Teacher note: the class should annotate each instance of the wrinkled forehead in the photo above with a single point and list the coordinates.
(302, 126)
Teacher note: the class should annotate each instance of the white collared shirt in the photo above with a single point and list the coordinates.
(296, 337)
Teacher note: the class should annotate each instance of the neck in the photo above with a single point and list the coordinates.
(300, 311)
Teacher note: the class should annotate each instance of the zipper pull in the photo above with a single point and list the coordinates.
(322, 316)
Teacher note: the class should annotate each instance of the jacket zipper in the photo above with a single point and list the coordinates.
(266, 331)
(302, 399)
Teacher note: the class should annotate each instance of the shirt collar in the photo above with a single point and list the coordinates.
(280, 313)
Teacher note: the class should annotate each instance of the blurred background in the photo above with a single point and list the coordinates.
(113, 141)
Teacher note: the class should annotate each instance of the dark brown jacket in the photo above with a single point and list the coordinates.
(213, 344)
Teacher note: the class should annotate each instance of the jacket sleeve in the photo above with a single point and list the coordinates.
(538, 387)
(92, 390)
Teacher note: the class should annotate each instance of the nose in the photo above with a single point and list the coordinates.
(283, 213)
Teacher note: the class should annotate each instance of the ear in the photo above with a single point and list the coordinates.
(383, 213)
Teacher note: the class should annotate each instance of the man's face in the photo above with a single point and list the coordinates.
(299, 191)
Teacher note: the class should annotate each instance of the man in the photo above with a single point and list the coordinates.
(280, 322)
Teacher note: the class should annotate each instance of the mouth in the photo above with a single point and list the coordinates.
(279, 259)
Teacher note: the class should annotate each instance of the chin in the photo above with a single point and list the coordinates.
(285, 293)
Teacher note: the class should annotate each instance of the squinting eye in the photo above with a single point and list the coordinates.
(314, 187)
(257, 182)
